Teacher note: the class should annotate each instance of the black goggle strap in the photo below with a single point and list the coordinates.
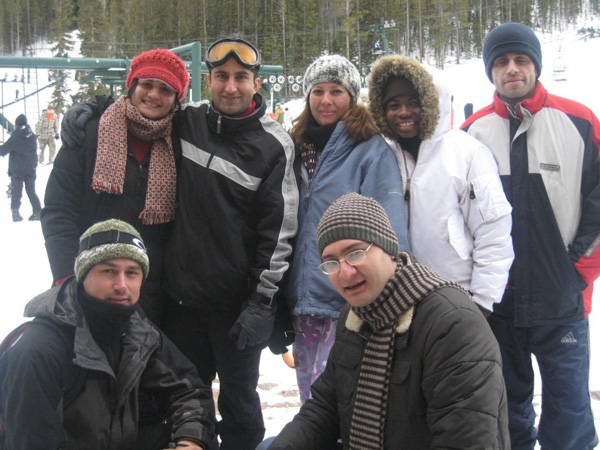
(110, 237)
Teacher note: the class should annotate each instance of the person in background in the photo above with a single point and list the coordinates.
(338, 151)
(414, 364)
(546, 148)
(459, 218)
(231, 237)
(279, 114)
(22, 163)
(72, 380)
(125, 168)
(47, 132)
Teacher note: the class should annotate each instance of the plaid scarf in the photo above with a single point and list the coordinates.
(111, 158)
(409, 285)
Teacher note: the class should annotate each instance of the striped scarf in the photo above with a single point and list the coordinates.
(409, 285)
(111, 158)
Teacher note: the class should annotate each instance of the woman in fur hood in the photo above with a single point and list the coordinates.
(459, 218)
(338, 150)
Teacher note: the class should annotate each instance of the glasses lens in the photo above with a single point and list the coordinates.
(246, 53)
(329, 267)
(356, 257)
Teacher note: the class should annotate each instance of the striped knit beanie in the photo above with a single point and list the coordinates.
(354, 216)
(160, 64)
(107, 240)
(332, 69)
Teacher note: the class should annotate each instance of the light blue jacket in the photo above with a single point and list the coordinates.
(344, 166)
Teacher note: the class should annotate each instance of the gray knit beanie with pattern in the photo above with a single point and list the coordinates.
(354, 216)
(107, 240)
(332, 69)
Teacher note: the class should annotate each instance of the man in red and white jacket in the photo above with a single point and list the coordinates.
(547, 150)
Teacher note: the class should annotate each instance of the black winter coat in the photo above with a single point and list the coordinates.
(446, 388)
(238, 209)
(58, 390)
(71, 207)
(22, 146)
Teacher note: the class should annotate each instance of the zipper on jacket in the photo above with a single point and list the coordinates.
(219, 123)
(472, 195)
(407, 192)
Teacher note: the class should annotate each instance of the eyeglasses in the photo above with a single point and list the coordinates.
(353, 258)
(244, 52)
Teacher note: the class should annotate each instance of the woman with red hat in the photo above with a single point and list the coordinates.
(125, 169)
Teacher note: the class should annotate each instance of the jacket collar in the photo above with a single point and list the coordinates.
(60, 306)
(354, 323)
(219, 123)
(532, 104)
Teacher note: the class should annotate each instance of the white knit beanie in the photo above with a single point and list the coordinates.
(332, 69)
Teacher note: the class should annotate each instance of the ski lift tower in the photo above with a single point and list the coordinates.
(559, 67)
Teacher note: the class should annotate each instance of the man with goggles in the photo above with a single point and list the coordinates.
(238, 206)
(237, 212)
(243, 51)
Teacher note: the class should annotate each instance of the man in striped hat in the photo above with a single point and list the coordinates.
(414, 365)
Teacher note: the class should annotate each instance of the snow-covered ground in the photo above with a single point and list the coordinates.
(24, 270)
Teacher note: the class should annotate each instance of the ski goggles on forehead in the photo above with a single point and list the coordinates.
(244, 52)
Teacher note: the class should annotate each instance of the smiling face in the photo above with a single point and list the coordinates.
(116, 280)
(361, 284)
(232, 87)
(153, 98)
(403, 108)
(329, 102)
(514, 76)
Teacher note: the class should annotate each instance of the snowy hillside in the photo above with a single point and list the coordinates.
(24, 270)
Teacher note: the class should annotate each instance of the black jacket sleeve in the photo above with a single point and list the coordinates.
(189, 400)
(317, 425)
(31, 391)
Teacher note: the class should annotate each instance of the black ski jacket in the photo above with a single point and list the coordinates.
(22, 146)
(58, 390)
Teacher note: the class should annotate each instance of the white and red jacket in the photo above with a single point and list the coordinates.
(547, 148)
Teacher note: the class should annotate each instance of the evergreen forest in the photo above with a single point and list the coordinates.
(290, 33)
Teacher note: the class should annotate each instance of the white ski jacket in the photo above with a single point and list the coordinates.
(459, 218)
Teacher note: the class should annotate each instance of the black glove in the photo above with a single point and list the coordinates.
(72, 131)
(254, 326)
(283, 331)
(56, 136)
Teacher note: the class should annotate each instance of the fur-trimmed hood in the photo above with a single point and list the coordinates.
(434, 94)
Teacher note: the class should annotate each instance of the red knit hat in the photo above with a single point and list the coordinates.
(160, 64)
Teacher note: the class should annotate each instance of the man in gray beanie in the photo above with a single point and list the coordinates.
(74, 378)
(414, 364)
(546, 148)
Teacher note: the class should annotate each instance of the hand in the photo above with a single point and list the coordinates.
(283, 330)
(72, 130)
(56, 136)
(254, 325)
